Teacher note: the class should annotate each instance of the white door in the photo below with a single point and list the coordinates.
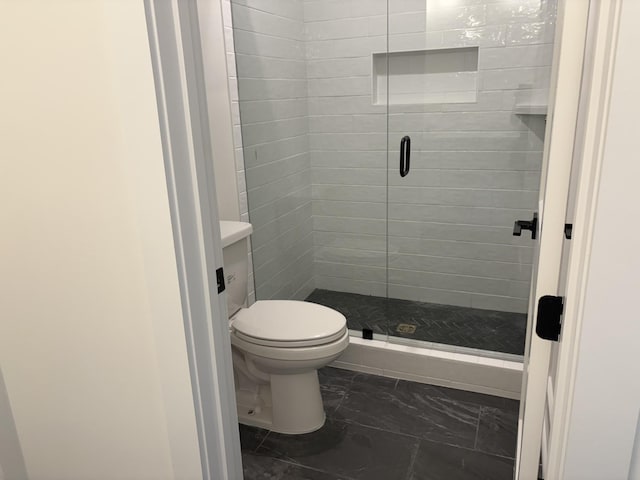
(538, 371)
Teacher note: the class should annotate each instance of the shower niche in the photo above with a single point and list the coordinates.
(447, 75)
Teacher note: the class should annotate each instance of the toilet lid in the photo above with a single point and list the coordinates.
(289, 322)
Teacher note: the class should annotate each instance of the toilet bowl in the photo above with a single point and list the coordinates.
(278, 347)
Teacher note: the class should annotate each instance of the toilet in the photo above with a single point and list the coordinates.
(277, 347)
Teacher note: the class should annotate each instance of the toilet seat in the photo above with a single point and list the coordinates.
(288, 324)
(299, 354)
(290, 344)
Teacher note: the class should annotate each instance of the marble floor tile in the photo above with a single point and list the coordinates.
(259, 467)
(459, 395)
(435, 461)
(251, 437)
(374, 381)
(382, 428)
(346, 450)
(497, 432)
(334, 383)
(339, 375)
(409, 412)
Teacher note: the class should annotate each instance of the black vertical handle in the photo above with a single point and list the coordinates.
(405, 155)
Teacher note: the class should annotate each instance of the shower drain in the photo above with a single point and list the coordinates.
(406, 328)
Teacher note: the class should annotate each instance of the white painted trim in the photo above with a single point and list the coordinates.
(559, 145)
(596, 91)
(176, 57)
(219, 107)
(473, 373)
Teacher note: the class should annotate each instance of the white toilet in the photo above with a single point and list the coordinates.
(277, 346)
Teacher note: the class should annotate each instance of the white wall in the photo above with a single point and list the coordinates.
(92, 346)
(606, 403)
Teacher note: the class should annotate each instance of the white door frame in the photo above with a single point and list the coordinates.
(174, 39)
(589, 110)
(182, 104)
(564, 99)
(590, 139)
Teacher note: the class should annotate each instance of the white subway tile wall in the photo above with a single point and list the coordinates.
(317, 165)
(272, 142)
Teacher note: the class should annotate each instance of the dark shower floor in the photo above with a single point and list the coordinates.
(460, 326)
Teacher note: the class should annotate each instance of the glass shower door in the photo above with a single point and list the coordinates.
(314, 153)
(348, 157)
(466, 88)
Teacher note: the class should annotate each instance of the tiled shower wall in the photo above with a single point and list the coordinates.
(475, 167)
(270, 58)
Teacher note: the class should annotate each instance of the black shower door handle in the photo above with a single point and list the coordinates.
(405, 155)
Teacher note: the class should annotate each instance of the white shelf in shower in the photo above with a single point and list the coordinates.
(531, 109)
(531, 101)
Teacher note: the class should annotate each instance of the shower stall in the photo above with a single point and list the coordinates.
(386, 151)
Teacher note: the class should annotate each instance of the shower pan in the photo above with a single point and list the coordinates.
(391, 153)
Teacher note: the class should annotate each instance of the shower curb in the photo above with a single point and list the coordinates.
(475, 373)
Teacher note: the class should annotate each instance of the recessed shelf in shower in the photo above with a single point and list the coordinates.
(447, 75)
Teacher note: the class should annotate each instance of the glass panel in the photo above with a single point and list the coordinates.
(273, 109)
(315, 152)
(326, 95)
(467, 84)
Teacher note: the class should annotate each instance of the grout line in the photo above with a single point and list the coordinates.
(368, 250)
(262, 441)
(434, 151)
(341, 400)
(423, 204)
(414, 456)
(394, 432)
(274, 121)
(246, 146)
(307, 467)
(475, 442)
(466, 448)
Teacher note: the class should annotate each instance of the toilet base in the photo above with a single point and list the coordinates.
(290, 404)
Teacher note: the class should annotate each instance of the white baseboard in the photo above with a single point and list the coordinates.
(474, 373)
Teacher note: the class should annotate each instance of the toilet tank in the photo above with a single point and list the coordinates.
(235, 252)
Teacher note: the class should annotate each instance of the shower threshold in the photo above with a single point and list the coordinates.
(448, 346)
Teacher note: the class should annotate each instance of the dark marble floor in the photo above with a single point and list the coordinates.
(462, 326)
(385, 429)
